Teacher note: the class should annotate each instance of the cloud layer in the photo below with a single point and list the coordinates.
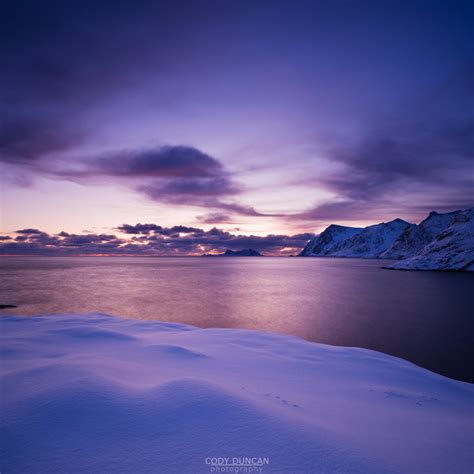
(147, 240)
(178, 175)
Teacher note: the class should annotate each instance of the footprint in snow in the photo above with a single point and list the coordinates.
(281, 400)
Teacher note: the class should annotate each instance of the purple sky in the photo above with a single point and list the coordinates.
(264, 118)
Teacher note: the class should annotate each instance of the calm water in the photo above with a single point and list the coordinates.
(420, 316)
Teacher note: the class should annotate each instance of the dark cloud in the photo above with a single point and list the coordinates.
(139, 228)
(200, 192)
(147, 229)
(182, 229)
(29, 231)
(170, 162)
(215, 218)
(24, 139)
(61, 62)
(381, 162)
(78, 240)
(236, 208)
(167, 161)
(196, 187)
(148, 239)
(179, 175)
(431, 150)
(47, 85)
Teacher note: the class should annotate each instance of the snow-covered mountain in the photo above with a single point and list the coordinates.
(236, 253)
(415, 237)
(439, 242)
(326, 242)
(368, 242)
(451, 249)
(241, 253)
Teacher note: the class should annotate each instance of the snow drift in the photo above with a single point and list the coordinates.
(94, 393)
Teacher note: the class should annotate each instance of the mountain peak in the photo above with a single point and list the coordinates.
(242, 253)
(337, 227)
(398, 221)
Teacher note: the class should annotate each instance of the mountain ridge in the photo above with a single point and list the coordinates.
(441, 241)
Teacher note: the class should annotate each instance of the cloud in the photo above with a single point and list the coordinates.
(427, 158)
(24, 139)
(215, 218)
(55, 87)
(178, 175)
(172, 167)
(202, 192)
(195, 187)
(87, 71)
(83, 60)
(29, 231)
(139, 228)
(161, 162)
(147, 229)
(210, 193)
(147, 239)
(58, 71)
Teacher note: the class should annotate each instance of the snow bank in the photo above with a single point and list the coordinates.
(93, 393)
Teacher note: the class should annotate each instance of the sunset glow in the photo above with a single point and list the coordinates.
(256, 119)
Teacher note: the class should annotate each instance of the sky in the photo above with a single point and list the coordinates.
(253, 119)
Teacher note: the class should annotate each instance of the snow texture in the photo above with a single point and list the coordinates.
(440, 242)
(93, 393)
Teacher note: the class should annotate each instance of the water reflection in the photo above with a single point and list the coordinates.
(420, 316)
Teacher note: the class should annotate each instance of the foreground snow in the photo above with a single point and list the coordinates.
(93, 393)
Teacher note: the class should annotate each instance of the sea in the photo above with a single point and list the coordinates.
(424, 317)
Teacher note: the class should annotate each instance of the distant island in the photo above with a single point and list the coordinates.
(439, 242)
(235, 253)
